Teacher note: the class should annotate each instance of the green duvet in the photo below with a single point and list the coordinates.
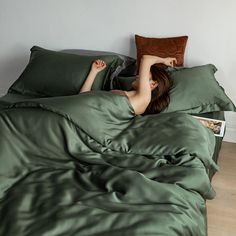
(85, 165)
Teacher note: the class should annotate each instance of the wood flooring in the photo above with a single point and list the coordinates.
(221, 211)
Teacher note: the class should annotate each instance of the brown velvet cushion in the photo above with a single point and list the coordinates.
(162, 47)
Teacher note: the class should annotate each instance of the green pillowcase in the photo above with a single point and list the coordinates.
(51, 73)
(123, 83)
(195, 90)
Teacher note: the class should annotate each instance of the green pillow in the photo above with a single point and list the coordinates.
(123, 83)
(195, 90)
(51, 73)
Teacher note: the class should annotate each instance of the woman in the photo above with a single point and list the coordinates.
(150, 94)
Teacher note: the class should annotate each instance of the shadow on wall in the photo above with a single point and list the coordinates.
(11, 67)
(132, 47)
(123, 45)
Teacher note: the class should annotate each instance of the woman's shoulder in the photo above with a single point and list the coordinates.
(139, 104)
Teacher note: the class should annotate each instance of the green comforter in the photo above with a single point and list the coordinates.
(85, 165)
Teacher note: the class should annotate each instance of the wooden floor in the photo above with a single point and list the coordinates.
(222, 210)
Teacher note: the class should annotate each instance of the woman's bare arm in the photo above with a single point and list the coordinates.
(142, 97)
(144, 71)
(96, 67)
(88, 82)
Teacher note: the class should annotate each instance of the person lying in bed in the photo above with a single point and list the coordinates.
(150, 94)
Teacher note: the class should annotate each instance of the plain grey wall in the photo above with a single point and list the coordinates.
(110, 25)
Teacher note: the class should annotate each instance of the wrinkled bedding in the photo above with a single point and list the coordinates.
(86, 165)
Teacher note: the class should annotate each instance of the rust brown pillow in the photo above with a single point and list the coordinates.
(162, 47)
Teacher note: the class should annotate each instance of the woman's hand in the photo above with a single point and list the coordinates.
(170, 61)
(98, 66)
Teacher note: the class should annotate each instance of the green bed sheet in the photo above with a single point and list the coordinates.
(85, 165)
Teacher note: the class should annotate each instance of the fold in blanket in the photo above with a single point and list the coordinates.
(86, 165)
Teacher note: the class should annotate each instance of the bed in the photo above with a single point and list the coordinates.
(84, 164)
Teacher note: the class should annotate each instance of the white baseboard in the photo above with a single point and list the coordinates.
(230, 135)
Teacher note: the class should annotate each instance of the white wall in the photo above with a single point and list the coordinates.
(111, 25)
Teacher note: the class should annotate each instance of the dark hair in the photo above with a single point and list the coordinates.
(160, 95)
